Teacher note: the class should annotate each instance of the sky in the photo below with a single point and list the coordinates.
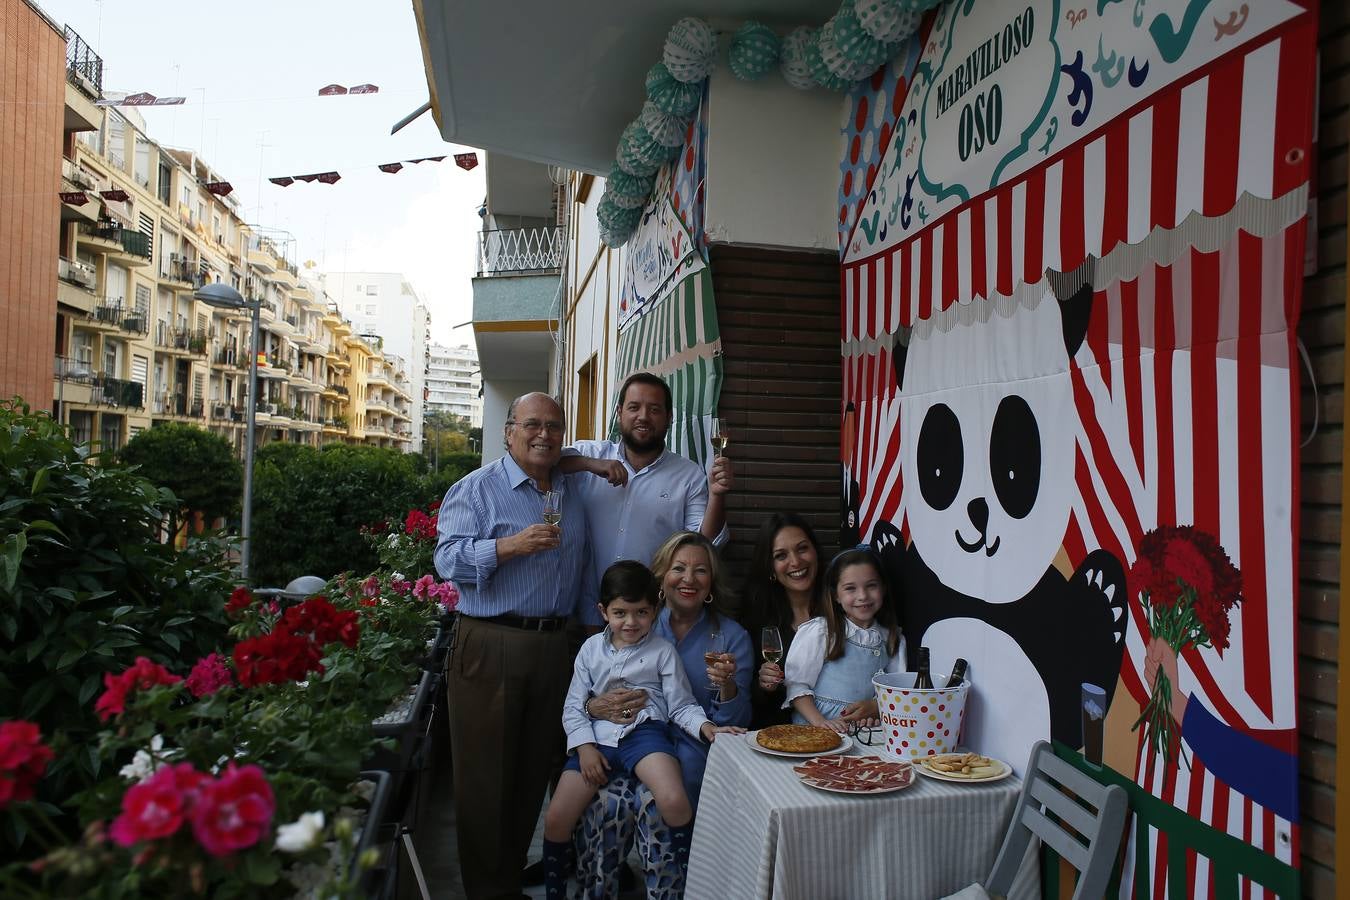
(251, 71)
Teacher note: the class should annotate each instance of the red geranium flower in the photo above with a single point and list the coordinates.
(275, 658)
(209, 675)
(233, 812)
(156, 807)
(142, 675)
(320, 620)
(240, 600)
(23, 759)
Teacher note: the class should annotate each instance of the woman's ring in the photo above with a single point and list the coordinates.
(627, 713)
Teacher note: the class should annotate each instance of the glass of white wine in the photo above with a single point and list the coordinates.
(712, 655)
(771, 645)
(552, 508)
(719, 437)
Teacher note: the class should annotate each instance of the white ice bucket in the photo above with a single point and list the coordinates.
(919, 722)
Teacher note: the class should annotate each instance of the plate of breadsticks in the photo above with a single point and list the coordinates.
(966, 767)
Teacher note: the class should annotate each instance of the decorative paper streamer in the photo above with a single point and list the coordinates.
(142, 99)
(282, 181)
(364, 89)
(74, 198)
(754, 51)
(391, 168)
(337, 90)
(219, 188)
(329, 177)
(889, 21)
(795, 58)
(670, 95)
(466, 161)
(691, 48)
(117, 195)
(666, 130)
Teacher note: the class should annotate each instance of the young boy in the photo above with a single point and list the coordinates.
(625, 653)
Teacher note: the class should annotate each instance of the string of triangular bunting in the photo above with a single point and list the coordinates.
(465, 161)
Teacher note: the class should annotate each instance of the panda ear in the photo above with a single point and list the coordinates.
(899, 353)
(1074, 291)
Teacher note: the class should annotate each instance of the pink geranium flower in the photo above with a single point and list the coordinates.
(209, 675)
(371, 587)
(233, 812)
(142, 675)
(422, 586)
(156, 807)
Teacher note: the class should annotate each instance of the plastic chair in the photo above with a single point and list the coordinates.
(1056, 795)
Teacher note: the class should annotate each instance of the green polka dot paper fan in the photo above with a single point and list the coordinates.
(820, 72)
(617, 218)
(837, 61)
(628, 157)
(616, 237)
(754, 51)
(670, 95)
(666, 130)
(627, 189)
(795, 58)
(691, 50)
(889, 21)
(863, 52)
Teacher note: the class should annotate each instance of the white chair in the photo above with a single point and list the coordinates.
(1056, 795)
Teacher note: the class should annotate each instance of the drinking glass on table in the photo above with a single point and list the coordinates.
(718, 436)
(552, 509)
(712, 655)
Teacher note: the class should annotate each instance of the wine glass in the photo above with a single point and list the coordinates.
(552, 509)
(771, 644)
(713, 655)
(719, 437)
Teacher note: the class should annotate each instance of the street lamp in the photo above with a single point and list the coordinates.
(222, 296)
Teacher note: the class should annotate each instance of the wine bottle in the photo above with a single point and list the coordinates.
(924, 681)
(958, 673)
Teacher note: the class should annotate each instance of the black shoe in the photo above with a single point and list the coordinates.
(628, 880)
(533, 874)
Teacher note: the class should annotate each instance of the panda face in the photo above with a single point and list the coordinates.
(988, 435)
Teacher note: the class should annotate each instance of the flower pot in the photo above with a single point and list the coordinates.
(370, 835)
(406, 762)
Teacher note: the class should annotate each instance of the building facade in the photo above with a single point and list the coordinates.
(385, 305)
(454, 383)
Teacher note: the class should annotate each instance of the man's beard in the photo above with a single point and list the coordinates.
(656, 442)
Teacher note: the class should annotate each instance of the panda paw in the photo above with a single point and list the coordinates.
(1102, 577)
(885, 539)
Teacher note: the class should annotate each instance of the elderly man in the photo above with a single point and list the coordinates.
(519, 581)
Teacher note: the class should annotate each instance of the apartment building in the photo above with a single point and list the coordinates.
(454, 383)
(133, 345)
(385, 305)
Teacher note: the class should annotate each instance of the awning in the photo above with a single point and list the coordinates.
(119, 211)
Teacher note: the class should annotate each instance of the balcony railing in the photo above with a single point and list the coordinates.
(84, 67)
(227, 356)
(184, 270)
(77, 175)
(76, 272)
(69, 368)
(517, 251)
(136, 243)
(122, 393)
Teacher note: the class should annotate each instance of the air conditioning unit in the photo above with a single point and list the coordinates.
(82, 81)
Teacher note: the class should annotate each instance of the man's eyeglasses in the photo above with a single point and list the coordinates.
(534, 426)
(867, 735)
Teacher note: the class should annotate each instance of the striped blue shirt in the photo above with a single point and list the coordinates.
(497, 501)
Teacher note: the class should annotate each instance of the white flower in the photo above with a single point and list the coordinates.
(302, 834)
(397, 576)
(393, 540)
(144, 764)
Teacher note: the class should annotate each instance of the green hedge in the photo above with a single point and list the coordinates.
(309, 505)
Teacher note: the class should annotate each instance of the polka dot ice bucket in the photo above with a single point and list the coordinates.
(919, 722)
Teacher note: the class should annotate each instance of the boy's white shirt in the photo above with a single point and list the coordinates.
(652, 664)
(806, 656)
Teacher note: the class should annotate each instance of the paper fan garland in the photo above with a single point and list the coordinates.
(666, 130)
(628, 156)
(862, 51)
(626, 189)
(691, 50)
(754, 51)
(669, 95)
(816, 52)
(839, 63)
(795, 58)
(617, 223)
(888, 21)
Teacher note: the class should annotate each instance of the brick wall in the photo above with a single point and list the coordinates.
(32, 98)
(778, 312)
(1323, 332)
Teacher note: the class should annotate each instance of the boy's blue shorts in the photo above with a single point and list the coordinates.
(647, 738)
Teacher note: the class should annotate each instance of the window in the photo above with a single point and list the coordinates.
(371, 308)
(585, 424)
(372, 290)
(165, 183)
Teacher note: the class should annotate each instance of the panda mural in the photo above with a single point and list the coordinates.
(988, 452)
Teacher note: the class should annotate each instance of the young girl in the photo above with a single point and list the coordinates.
(831, 662)
(626, 654)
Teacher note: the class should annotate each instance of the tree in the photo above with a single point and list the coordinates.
(199, 467)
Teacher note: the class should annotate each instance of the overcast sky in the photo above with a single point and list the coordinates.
(250, 71)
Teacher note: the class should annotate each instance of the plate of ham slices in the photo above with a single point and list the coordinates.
(855, 774)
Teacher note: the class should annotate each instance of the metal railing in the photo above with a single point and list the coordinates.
(515, 251)
(69, 368)
(137, 243)
(76, 272)
(77, 175)
(84, 67)
(120, 392)
(227, 356)
(184, 270)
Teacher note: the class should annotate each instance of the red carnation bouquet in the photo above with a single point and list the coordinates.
(1188, 586)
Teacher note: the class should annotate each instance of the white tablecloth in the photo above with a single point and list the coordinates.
(762, 833)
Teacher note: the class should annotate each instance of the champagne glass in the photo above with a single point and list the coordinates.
(552, 508)
(771, 644)
(713, 655)
(719, 437)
